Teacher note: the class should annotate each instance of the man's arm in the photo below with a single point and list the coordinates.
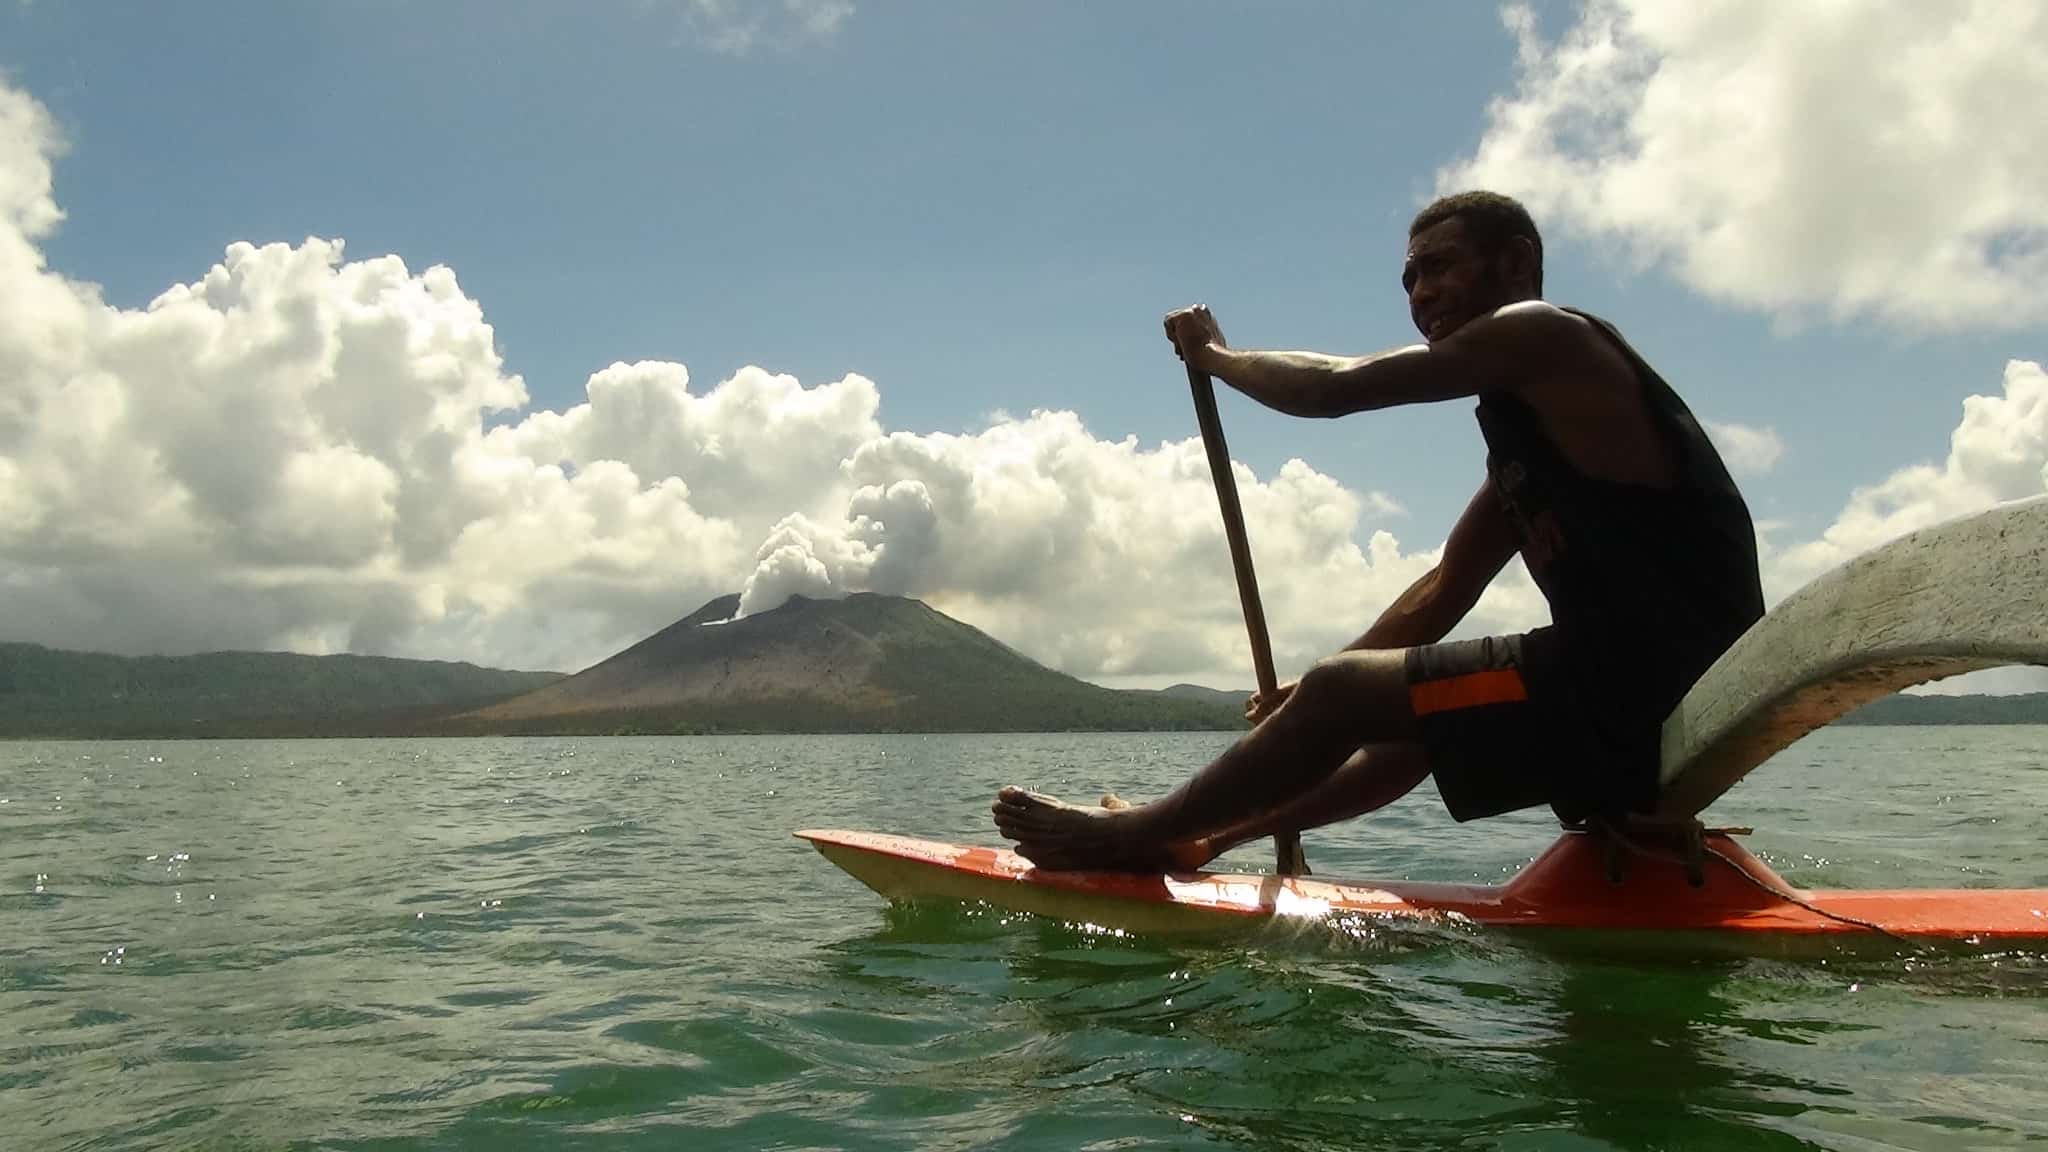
(1479, 547)
(1510, 348)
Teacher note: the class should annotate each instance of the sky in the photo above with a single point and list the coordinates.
(511, 332)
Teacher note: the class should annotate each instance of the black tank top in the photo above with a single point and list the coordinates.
(1647, 586)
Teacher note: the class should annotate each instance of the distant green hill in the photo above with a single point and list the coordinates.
(1222, 697)
(2030, 708)
(867, 663)
(49, 692)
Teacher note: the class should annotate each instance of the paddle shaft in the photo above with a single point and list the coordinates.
(1286, 845)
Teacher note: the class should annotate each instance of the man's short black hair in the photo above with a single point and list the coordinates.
(1491, 219)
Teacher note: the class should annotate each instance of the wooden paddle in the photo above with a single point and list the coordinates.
(1288, 858)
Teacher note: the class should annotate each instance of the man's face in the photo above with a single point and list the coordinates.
(1448, 281)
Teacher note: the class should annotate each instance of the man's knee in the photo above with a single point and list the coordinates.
(1350, 673)
(1370, 686)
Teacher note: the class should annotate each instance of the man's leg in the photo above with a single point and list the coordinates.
(1344, 702)
(1374, 777)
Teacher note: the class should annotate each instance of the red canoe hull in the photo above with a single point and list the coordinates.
(1566, 887)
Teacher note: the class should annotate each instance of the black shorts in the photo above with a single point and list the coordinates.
(1504, 729)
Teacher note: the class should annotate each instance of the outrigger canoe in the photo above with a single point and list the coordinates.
(1957, 597)
(1569, 886)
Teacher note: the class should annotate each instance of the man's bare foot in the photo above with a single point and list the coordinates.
(1061, 836)
(1053, 834)
(1112, 837)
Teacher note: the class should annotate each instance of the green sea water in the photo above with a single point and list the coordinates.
(591, 943)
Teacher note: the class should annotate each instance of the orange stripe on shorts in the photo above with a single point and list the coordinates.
(1493, 686)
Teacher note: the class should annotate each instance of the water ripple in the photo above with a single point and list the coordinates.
(615, 944)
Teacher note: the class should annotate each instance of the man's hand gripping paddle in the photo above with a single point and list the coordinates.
(1289, 860)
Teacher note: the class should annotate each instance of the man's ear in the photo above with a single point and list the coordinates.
(1518, 261)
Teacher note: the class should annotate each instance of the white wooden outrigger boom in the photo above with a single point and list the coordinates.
(1957, 597)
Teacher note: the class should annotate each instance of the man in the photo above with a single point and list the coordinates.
(1597, 474)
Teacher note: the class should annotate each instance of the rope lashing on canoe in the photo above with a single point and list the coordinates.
(1810, 906)
(1695, 837)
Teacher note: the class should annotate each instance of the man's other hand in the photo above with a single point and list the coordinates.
(1264, 704)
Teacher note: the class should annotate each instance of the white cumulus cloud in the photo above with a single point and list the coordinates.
(299, 449)
(1105, 556)
(1997, 453)
(1746, 449)
(1883, 158)
(737, 27)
